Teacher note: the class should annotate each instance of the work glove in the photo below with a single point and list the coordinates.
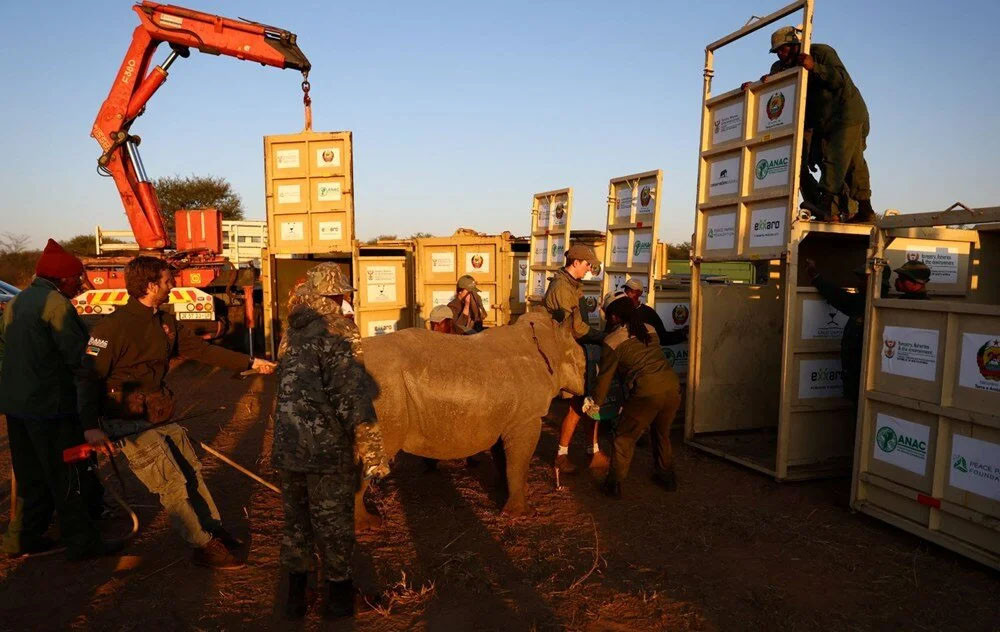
(591, 409)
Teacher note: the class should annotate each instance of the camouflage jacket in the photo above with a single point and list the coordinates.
(325, 396)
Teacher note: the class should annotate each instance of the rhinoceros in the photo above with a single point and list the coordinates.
(448, 397)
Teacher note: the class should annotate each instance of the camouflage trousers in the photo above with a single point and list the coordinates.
(165, 461)
(319, 515)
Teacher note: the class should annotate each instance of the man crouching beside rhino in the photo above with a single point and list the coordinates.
(325, 398)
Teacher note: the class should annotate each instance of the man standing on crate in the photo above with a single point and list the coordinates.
(836, 129)
(124, 385)
(564, 299)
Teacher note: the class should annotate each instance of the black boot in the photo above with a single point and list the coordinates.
(822, 209)
(611, 487)
(865, 214)
(667, 480)
(295, 608)
(339, 599)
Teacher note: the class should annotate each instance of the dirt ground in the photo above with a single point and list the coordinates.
(731, 550)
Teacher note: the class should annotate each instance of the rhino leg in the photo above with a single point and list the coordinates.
(363, 521)
(500, 462)
(519, 445)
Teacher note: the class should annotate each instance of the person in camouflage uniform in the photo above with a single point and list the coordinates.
(325, 400)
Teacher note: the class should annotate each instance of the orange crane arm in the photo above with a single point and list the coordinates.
(182, 29)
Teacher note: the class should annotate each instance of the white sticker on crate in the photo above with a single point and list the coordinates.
(591, 304)
(541, 246)
(617, 281)
(721, 233)
(330, 231)
(727, 123)
(975, 466)
(677, 357)
(775, 107)
(770, 168)
(538, 282)
(674, 315)
(487, 303)
(287, 158)
(381, 327)
(522, 289)
(910, 352)
(558, 249)
(724, 177)
(522, 269)
(292, 231)
(821, 378)
(477, 262)
(543, 214)
(642, 247)
(559, 214)
(647, 198)
(820, 321)
(289, 194)
(767, 227)
(328, 157)
(943, 262)
(442, 262)
(381, 284)
(619, 247)
(902, 443)
(328, 191)
(980, 364)
(623, 201)
(441, 297)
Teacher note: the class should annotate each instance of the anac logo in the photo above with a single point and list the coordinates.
(988, 360)
(890, 348)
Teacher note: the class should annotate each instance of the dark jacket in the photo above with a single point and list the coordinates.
(642, 368)
(667, 338)
(129, 354)
(832, 99)
(852, 305)
(41, 347)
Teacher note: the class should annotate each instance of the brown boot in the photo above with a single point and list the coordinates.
(215, 555)
(865, 214)
(564, 465)
(599, 461)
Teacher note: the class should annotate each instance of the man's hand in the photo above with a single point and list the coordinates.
(99, 441)
(261, 365)
(810, 270)
(806, 61)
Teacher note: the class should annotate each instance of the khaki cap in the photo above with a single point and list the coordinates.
(915, 271)
(440, 313)
(584, 252)
(610, 298)
(466, 282)
(634, 284)
(784, 35)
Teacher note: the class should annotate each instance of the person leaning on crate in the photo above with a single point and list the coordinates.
(123, 387)
(325, 414)
(564, 299)
(633, 290)
(467, 308)
(911, 280)
(836, 129)
(41, 348)
(631, 351)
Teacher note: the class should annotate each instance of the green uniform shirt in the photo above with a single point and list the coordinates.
(642, 368)
(564, 298)
(41, 346)
(832, 99)
(131, 350)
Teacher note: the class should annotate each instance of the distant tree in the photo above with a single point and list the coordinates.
(375, 240)
(193, 192)
(12, 243)
(420, 235)
(679, 251)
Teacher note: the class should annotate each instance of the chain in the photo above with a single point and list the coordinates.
(306, 99)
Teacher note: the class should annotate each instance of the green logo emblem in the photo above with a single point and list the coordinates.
(961, 465)
(761, 169)
(886, 439)
(711, 233)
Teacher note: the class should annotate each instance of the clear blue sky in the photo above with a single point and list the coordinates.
(462, 110)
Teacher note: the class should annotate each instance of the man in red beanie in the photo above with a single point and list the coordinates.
(42, 341)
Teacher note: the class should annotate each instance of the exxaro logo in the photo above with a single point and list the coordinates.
(827, 375)
(767, 167)
(766, 224)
